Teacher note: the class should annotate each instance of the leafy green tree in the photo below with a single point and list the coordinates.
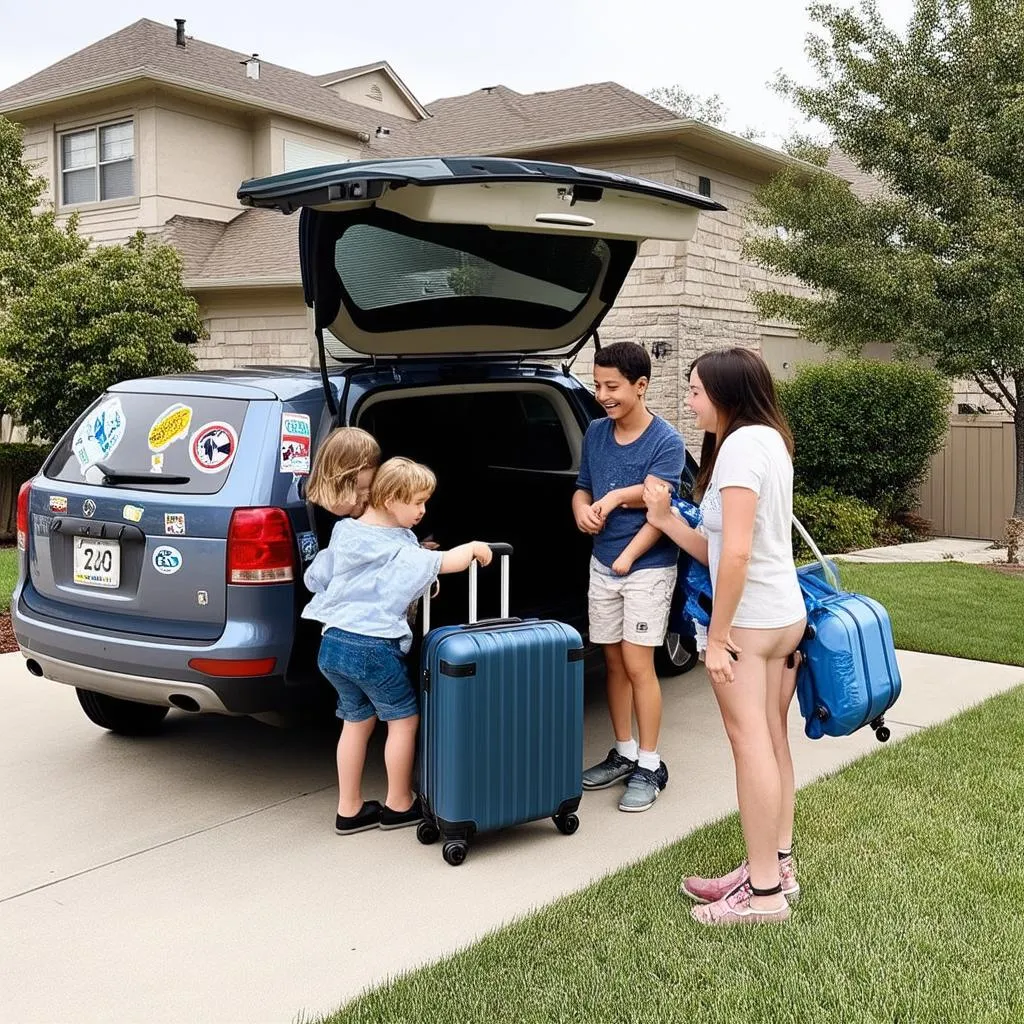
(115, 313)
(934, 262)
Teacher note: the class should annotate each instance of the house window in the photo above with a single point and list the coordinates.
(98, 163)
(704, 186)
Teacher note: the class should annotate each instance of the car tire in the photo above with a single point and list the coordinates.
(675, 656)
(125, 717)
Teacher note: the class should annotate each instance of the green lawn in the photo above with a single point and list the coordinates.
(912, 862)
(8, 576)
(913, 868)
(968, 611)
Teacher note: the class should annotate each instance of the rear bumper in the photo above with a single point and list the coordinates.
(144, 689)
(156, 671)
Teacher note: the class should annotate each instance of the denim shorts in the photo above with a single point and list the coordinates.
(369, 674)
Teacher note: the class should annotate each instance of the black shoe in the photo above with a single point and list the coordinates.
(390, 819)
(614, 768)
(367, 818)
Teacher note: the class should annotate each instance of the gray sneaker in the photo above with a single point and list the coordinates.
(614, 768)
(643, 787)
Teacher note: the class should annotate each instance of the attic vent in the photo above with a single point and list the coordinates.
(180, 32)
(252, 67)
(374, 93)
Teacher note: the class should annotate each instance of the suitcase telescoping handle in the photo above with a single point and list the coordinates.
(500, 551)
(830, 576)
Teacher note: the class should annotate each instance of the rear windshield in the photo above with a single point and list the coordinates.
(154, 436)
(382, 267)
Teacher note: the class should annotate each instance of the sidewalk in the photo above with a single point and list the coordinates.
(938, 549)
(197, 877)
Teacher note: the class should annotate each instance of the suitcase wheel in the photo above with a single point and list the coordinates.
(882, 733)
(567, 824)
(426, 833)
(454, 853)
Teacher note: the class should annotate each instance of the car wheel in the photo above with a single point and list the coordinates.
(127, 717)
(675, 656)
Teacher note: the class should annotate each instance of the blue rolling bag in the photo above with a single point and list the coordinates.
(848, 676)
(501, 732)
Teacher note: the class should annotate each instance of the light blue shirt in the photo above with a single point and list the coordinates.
(366, 578)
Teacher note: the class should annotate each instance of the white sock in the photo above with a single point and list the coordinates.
(650, 759)
(627, 749)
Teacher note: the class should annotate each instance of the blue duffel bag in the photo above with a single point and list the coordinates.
(691, 606)
(848, 676)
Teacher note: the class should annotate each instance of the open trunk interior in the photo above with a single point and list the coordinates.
(506, 458)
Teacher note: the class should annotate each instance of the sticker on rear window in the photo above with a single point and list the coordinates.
(295, 443)
(156, 463)
(174, 523)
(167, 559)
(99, 434)
(213, 447)
(169, 426)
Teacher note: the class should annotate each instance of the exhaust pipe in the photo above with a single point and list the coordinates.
(184, 703)
(34, 667)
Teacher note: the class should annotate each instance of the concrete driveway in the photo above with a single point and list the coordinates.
(196, 877)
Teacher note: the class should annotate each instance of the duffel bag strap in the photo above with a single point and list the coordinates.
(833, 580)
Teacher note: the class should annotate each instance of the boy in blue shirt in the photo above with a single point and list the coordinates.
(633, 568)
(363, 583)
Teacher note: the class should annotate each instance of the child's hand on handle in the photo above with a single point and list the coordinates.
(482, 552)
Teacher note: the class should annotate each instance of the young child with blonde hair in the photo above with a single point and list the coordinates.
(362, 584)
(343, 471)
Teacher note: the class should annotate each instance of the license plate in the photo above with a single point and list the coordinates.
(97, 563)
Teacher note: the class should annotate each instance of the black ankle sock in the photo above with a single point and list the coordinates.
(773, 891)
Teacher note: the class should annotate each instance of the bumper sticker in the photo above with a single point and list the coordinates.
(133, 513)
(174, 523)
(99, 434)
(167, 560)
(169, 426)
(58, 503)
(308, 546)
(295, 443)
(213, 447)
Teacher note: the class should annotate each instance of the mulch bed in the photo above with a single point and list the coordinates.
(1006, 569)
(7, 641)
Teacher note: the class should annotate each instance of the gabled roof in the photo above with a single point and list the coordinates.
(147, 50)
(499, 118)
(364, 69)
(257, 248)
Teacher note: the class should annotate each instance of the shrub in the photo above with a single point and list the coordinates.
(866, 429)
(837, 523)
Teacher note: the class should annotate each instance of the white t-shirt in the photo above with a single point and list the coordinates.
(756, 458)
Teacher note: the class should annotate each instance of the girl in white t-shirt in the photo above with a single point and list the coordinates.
(745, 485)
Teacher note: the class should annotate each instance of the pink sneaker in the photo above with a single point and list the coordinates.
(709, 890)
(736, 909)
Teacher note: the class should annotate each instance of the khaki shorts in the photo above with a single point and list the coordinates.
(633, 608)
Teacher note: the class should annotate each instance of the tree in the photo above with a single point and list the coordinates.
(117, 312)
(30, 240)
(709, 109)
(934, 263)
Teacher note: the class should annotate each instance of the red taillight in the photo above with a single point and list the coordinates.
(23, 496)
(261, 546)
(233, 666)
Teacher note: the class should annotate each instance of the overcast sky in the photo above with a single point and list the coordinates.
(448, 47)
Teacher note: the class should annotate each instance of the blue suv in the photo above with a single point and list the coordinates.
(163, 542)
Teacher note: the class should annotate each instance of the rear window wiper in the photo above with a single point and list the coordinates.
(111, 478)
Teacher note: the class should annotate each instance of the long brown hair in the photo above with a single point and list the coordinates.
(741, 388)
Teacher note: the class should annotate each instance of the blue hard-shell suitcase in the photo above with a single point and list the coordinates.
(848, 675)
(501, 733)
